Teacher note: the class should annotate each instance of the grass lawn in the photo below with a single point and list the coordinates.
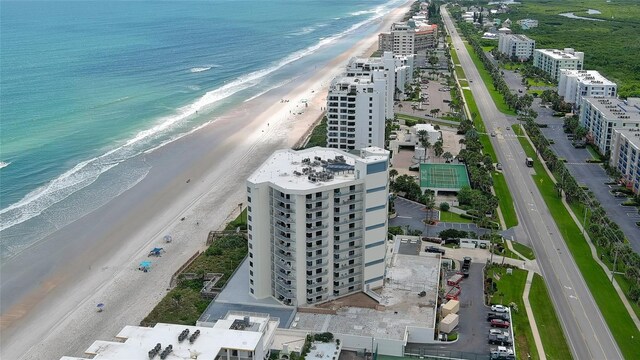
(616, 316)
(537, 92)
(488, 81)
(463, 83)
(524, 250)
(477, 122)
(594, 153)
(553, 340)
(487, 48)
(422, 120)
(318, 136)
(504, 199)
(510, 289)
(446, 216)
(538, 82)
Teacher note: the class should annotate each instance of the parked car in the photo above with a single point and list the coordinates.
(498, 332)
(499, 308)
(500, 316)
(498, 166)
(500, 339)
(434, 249)
(500, 323)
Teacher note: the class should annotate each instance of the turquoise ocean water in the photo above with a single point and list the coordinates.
(86, 85)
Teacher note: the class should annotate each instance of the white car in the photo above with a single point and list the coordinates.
(499, 308)
(498, 332)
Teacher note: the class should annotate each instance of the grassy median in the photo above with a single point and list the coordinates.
(553, 340)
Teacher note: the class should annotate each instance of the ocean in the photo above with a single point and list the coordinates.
(86, 85)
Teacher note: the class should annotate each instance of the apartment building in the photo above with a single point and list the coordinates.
(356, 111)
(573, 85)
(405, 64)
(600, 116)
(552, 61)
(317, 223)
(625, 156)
(516, 46)
(388, 64)
(408, 38)
(238, 336)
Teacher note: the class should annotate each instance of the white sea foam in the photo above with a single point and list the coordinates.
(86, 172)
(203, 68)
(4, 164)
(305, 30)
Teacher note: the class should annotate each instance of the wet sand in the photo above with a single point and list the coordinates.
(50, 292)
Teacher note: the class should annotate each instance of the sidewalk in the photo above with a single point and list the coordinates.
(532, 320)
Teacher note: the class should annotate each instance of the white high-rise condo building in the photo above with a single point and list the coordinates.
(317, 221)
(404, 73)
(573, 85)
(387, 63)
(356, 111)
(625, 156)
(600, 116)
(516, 46)
(552, 61)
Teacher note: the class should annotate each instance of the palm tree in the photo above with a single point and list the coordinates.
(437, 148)
(447, 156)
(423, 137)
(393, 173)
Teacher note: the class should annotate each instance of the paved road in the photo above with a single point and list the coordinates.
(587, 334)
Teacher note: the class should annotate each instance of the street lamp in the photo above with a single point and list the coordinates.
(241, 217)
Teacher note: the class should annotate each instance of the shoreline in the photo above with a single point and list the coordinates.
(198, 178)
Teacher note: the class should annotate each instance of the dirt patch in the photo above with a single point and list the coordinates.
(356, 300)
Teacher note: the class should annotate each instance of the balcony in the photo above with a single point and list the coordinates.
(347, 220)
(280, 237)
(316, 265)
(316, 227)
(314, 238)
(323, 254)
(316, 218)
(343, 275)
(284, 228)
(338, 211)
(345, 192)
(313, 207)
(313, 198)
(287, 219)
(312, 246)
(344, 230)
(311, 283)
(357, 284)
(357, 239)
(313, 292)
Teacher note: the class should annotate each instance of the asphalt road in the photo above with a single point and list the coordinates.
(587, 334)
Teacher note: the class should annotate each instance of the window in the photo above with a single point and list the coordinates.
(251, 255)
(251, 263)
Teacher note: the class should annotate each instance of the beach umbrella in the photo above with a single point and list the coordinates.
(167, 238)
(100, 307)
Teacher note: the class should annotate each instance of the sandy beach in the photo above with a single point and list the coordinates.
(194, 185)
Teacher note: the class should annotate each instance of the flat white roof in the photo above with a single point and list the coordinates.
(139, 340)
(285, 168)
(351, 80)
(614, 109)
(633, 135)
(590, 77)
(559, 54)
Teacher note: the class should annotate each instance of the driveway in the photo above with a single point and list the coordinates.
(412, 214)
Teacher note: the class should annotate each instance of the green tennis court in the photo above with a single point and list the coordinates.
(443, 176)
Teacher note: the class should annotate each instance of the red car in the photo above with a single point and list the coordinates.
(499, 323)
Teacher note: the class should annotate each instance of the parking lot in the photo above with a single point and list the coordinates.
(591, 175)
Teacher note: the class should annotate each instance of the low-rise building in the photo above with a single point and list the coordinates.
(600, 116)
(573, 85)
(516, 46)
(552, 61)
(239, 336)
(625, 156)
(527, 24)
